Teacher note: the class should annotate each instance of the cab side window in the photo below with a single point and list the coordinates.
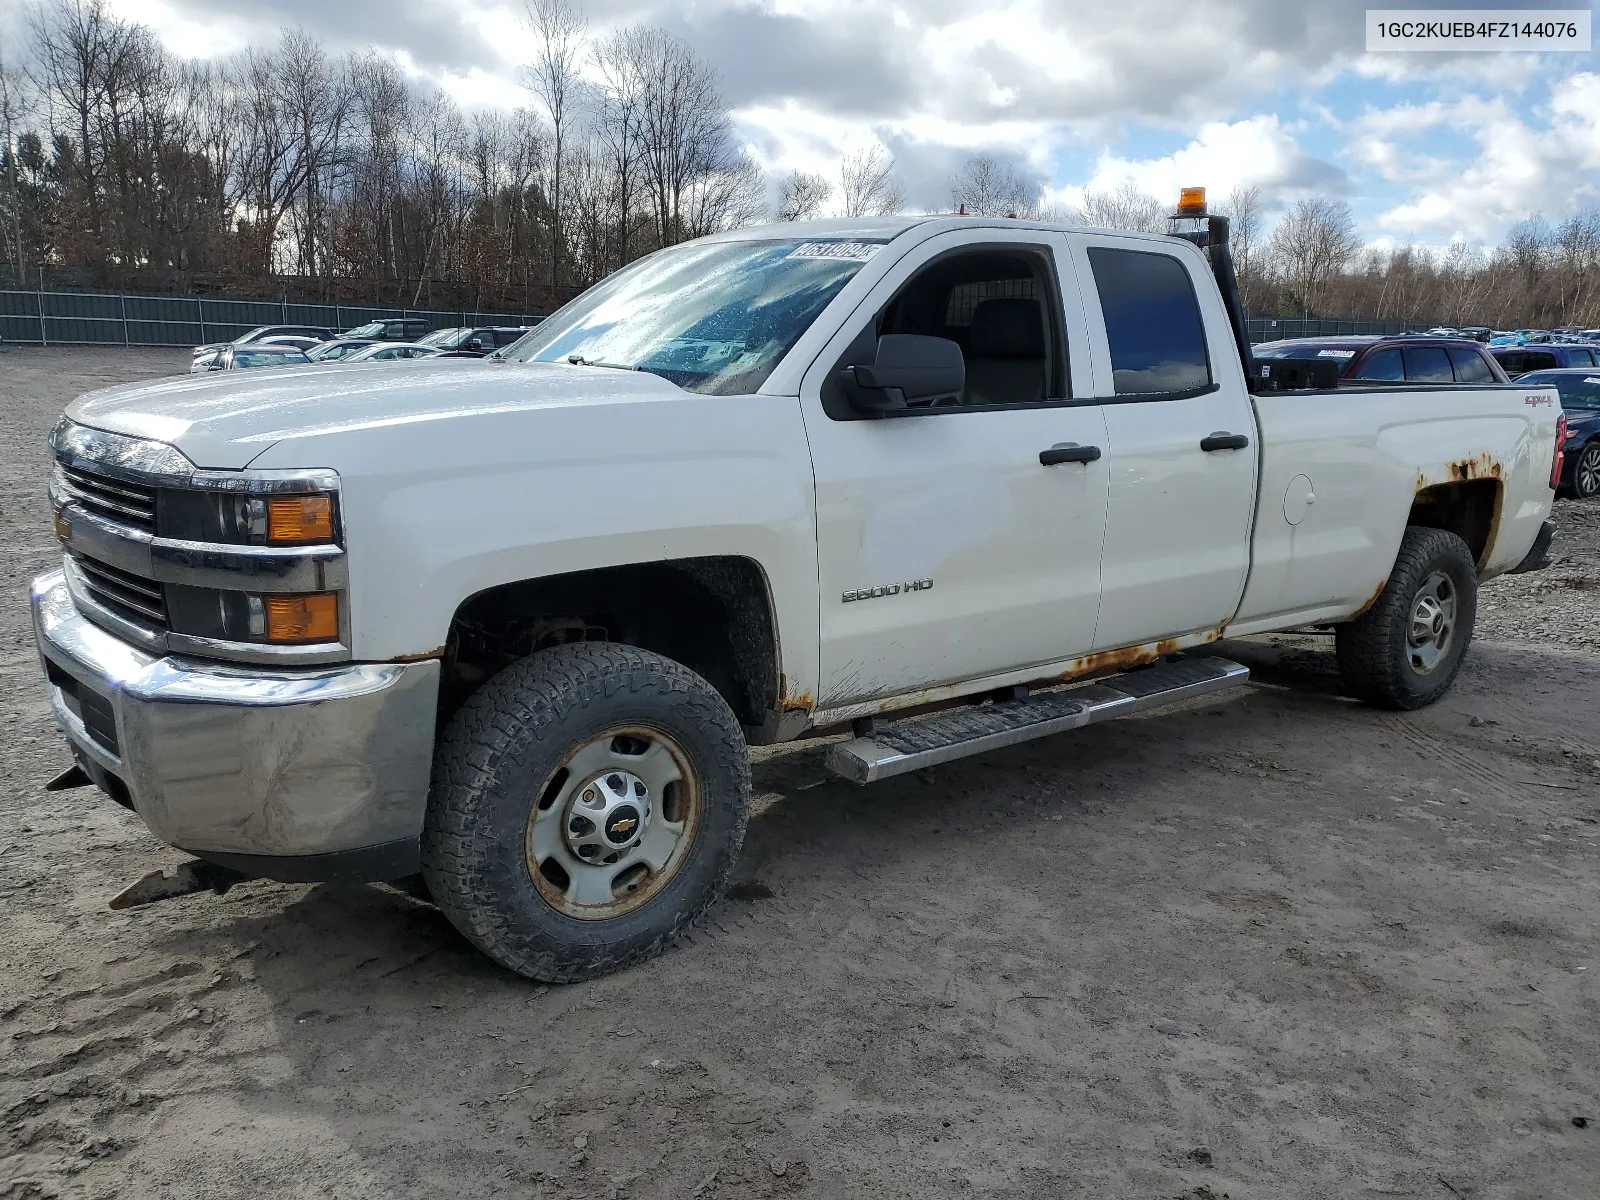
(999, 304)
(1382, 366)
(1158, 341)
(1469, 366)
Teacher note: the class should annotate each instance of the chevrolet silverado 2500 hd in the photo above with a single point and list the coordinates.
(513, 623)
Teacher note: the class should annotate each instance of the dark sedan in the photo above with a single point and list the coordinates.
(1414, 358)
(1579, 390)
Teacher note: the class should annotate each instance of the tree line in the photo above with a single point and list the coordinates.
(339, 173)
(290, 161)
(1311, 262)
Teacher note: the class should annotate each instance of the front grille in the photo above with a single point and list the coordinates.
(115, 499)
(130, 596)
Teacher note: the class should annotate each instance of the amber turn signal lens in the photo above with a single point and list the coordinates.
(1192, 202)
(309, 618)
(300, 518)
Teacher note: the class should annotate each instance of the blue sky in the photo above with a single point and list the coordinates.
(1079, 93)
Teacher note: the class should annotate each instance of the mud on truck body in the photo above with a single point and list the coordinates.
(511, 625)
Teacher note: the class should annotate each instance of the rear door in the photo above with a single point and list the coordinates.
(1182, 442)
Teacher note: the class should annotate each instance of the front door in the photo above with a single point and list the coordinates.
(947, 551)
(1183, 454)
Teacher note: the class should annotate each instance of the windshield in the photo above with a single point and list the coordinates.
(1576, 390)
(713, 318)
(371, 329)
(258, 331)
(445, 339)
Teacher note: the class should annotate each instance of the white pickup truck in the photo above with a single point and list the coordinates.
(945, 483)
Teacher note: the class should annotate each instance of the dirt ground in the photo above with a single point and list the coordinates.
(1271, 945)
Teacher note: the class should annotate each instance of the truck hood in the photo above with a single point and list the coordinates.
(225, 420)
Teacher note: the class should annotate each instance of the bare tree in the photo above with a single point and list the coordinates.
(1124, 207)
(15, 106)
(1313, 242)
(801, 195)
(868, 187)
(1243, 208)
(553, 75)
(683, 125)
(988, 187)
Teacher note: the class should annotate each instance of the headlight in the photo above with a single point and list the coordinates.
(240, 519)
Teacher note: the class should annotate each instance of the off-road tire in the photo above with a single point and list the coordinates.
(508, 738)
(1374, 661)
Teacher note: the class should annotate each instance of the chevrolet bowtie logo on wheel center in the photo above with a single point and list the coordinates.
(621, 825)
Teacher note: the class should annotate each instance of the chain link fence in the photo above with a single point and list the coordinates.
(134, 319)
(128, 319)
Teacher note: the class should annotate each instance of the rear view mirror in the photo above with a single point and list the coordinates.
(910, 369)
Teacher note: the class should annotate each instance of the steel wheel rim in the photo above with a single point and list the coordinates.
(585, 861)
(1588, 472)
(1432, 623)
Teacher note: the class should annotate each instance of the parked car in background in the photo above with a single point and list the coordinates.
(298, 341)
(1410, 358)
(239, 358)
(1550, 356)
(469, 342)
(1478, 333)
(1579, 391)
(204, 355)
(398, 329)
(338, 349)
(390, 352)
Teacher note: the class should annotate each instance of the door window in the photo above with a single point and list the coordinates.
(1539, 360)
(1382, 366)
(1158, 341)
(998, 303)
(1469, 366)
(1428, 364)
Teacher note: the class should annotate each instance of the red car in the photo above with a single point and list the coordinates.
(1402, 359)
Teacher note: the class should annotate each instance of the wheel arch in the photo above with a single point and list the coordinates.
(714, 615)
(1468, 508)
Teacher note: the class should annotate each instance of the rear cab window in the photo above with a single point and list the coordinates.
(1153, 324)
(1427, 364)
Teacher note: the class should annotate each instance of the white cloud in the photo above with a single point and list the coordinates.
(1546, 164)
(1257, 151)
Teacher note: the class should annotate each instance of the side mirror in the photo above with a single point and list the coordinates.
(910, 369)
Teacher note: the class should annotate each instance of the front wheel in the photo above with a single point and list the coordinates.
(587, 807)
(1586, 472)
(1404, 651)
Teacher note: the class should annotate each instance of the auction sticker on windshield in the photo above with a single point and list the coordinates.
(846, 251)
(1336, 353)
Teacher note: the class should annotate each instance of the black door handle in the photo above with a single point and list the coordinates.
(1224, 441)
(1064, 454)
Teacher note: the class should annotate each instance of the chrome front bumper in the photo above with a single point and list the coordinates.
(292, 773)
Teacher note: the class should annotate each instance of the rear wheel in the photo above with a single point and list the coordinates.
(587, 806)
(1586, 472)
(1404, 651)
